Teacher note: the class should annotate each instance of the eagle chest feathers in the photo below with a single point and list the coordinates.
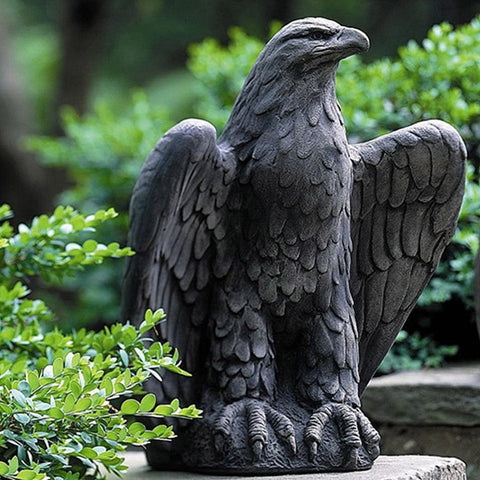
(295, 225)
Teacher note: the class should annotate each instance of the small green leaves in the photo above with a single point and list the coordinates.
(5, 212)
(11, 471)
(59, 393)
(151, 319)
(62, 406)
(49, 246)
(174, 410)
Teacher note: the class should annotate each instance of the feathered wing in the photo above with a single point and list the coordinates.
(407, 192)
(175, 215)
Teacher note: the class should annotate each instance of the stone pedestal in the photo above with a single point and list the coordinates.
(429, 412)
(408, 467)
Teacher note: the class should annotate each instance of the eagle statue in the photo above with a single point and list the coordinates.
(286, 261)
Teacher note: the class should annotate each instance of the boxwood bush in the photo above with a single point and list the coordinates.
(65, 406)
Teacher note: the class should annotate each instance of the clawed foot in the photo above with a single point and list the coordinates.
(258, 415)
(354, 430)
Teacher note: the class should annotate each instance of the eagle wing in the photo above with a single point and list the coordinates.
(175, 214)
(407, 192)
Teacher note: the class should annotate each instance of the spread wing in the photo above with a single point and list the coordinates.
(175, 215)
(407, 192)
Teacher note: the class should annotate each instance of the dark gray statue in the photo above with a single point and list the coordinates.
(287, 261)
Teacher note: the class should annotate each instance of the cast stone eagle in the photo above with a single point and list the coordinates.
(286, 260)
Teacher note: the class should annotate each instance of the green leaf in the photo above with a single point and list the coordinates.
(25, 388)
(136, 429)
(107, 384)
(163, 410)
(148, 316)
(3, 468)
(124, 356)
(83, 404)
(147, 403)
(88, 452)
(75, 388)
(26, 475)
(6, 408)
(18, 397)
(175, 404)
(90, 246)
(130, 407)
(22, 418)
(32, 378)
(69, 404)
(13, 465)
(57, 367)
(56, 413)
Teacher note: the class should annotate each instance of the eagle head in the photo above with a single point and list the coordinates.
(313, 42)
(296, 67)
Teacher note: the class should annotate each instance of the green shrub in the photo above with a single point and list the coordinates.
(60, 413)
(413, 352)
(221, 72)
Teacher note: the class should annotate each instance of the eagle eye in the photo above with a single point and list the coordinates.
(319, 35)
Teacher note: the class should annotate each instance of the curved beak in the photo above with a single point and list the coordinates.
(351, 41)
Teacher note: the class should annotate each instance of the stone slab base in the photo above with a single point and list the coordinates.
(445, 396)
(429, 412)
(406, 467)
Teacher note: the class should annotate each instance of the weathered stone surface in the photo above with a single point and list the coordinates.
(433, 412)
(449, 396)
(407, 467)
(459, 442)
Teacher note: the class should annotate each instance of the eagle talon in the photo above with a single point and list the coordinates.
(312, 450)
(354, 459)
(355, 432)
(257, 448)
(258, 415)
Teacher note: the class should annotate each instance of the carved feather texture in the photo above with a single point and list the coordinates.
(404, 180)
(176, 218)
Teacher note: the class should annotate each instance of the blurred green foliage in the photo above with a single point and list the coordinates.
(413, 352)
(435, 79)
(38, 57)
(221, 72)
(102, 153)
